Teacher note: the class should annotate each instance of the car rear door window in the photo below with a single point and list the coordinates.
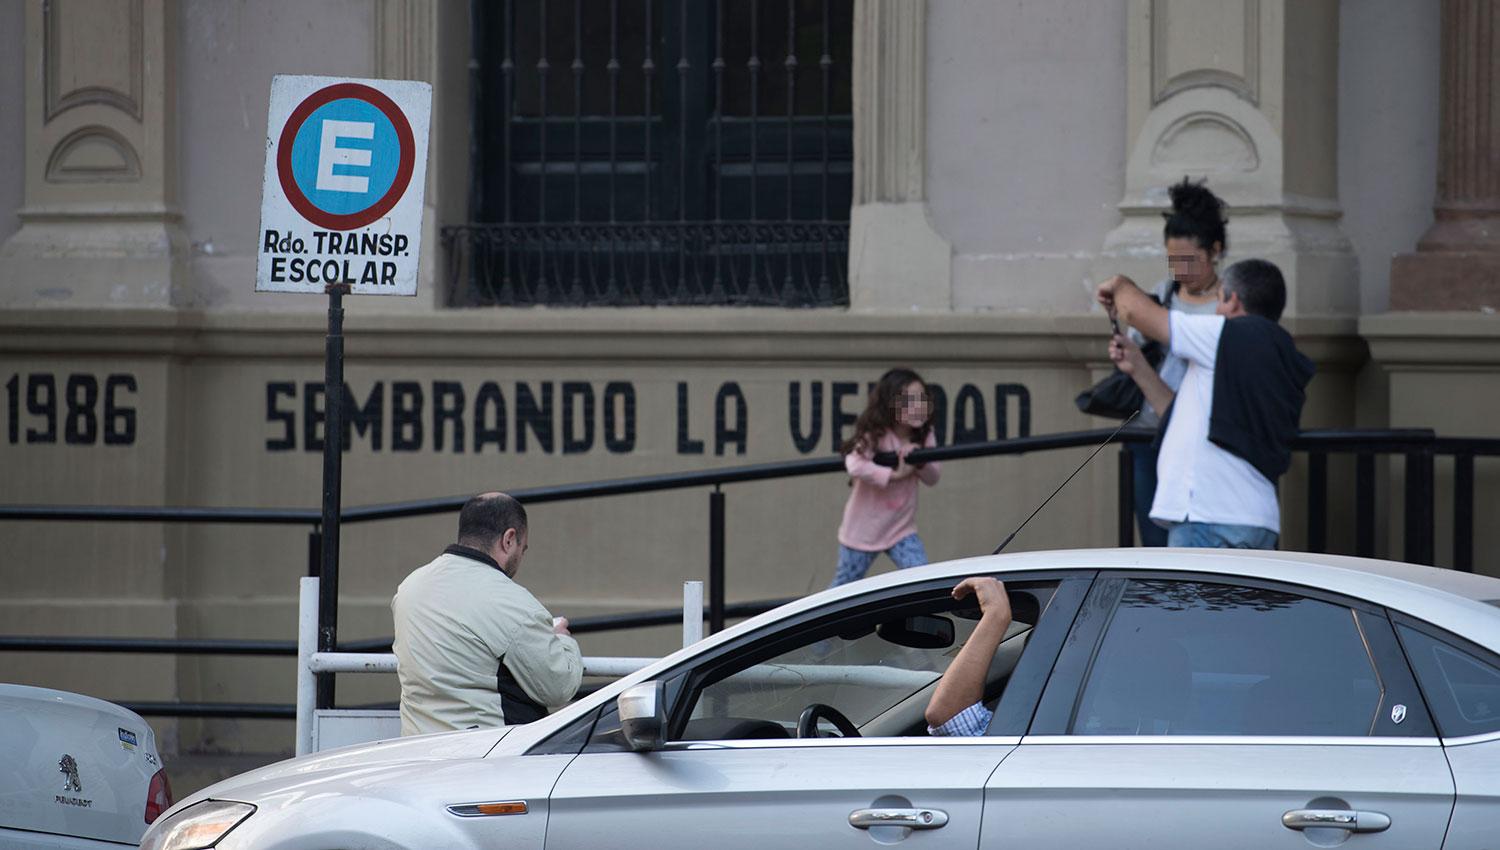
(1205, 658)
(1462, 689)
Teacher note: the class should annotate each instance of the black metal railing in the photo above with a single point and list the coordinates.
(1419, 450)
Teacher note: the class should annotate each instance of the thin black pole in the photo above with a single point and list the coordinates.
(825, 62)
(1125, 499)
(577, 67)
(717, 295)
(754, 66)
(333, 468)
(716, 561)
(1317, 502)
(612, 293)
(648, 72)
(508, 74)
(790, 66)
(1463, 512)
(543, 68)
(1364, 505)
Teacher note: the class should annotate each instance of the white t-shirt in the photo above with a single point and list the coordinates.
(1197, 481)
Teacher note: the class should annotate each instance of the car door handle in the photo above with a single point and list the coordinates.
(909, 818)
(1336, 819)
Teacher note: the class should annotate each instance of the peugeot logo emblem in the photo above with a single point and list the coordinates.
(69, 769)
(1398, 713)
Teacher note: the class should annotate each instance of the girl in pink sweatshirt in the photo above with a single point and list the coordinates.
(881, 515)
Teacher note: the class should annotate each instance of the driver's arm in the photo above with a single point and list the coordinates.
(962, 684)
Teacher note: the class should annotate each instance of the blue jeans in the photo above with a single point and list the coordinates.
(1143, 464)
(1217, 535)
(854, 563)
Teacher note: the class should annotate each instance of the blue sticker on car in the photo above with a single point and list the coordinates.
(128, 739)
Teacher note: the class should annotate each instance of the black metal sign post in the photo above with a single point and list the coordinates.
(333, 470)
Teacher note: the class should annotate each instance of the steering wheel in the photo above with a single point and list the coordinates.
(807, 724)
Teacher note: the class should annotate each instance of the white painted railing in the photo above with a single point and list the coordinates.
(311, 662)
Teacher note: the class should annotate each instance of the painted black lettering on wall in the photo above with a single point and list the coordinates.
(619, 417)
(842, 417)
(730, 429)
(80, 412)
(686, 445)
(805, 443)
(489, 417)
(575, 417)
(534, 417)
(447, 412)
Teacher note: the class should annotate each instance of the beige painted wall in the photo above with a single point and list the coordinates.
(12, 125)
(1388, 133)
(229, 52)
(1025, 146)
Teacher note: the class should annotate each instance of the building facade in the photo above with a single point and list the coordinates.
(651, 243)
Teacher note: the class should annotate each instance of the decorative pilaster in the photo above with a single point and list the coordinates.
(406, 48)
(896, 260)
(1245, 94)
(100, 223)
(1457, 262)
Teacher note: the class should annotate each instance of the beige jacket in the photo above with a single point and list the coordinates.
(474, 648)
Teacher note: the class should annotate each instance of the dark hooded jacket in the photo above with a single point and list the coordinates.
(1259, 383)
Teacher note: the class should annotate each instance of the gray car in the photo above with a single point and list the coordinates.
(1143, 698)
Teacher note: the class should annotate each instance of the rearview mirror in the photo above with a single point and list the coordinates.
(643, 719)
(923, 631)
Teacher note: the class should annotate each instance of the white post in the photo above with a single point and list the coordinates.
(692, 612)
(307, 644)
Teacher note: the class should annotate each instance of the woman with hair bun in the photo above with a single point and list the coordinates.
(1195, 240)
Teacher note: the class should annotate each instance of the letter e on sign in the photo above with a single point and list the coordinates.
(345, 170)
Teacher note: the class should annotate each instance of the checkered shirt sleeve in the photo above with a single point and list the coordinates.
(969, 723)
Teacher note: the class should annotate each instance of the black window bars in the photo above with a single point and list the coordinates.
(706, 158)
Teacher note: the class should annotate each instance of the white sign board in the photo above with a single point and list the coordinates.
(346, 167)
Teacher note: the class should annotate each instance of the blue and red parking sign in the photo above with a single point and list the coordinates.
(342, 200)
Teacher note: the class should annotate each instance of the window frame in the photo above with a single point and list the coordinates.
(1452, 641)
(685, 679)
(1057, 711)
(786, 634)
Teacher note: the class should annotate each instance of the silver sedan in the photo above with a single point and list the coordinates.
(1142, 698)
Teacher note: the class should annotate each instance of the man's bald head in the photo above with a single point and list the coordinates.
(485, 519)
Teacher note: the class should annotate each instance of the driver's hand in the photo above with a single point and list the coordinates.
(988, 592)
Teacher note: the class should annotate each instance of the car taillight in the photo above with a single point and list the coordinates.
(158, 796)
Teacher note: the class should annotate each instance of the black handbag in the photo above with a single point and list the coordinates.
(1117, 396)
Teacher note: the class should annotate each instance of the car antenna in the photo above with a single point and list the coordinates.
(1086, 460)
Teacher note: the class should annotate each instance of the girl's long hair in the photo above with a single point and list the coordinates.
(880, 412)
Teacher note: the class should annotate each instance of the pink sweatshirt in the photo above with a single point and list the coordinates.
(881, 511)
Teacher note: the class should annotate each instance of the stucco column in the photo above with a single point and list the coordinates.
(100, 225)
(426, 41)
(1245, 94)
(897, 261)
(1457, 263)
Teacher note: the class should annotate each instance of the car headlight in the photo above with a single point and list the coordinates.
(196, 827)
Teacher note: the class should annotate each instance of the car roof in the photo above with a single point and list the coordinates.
(1464, 603)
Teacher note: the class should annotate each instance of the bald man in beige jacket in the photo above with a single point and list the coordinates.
(473, 647)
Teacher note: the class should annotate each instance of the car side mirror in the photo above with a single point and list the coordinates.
(643, 715)
(923, 631)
